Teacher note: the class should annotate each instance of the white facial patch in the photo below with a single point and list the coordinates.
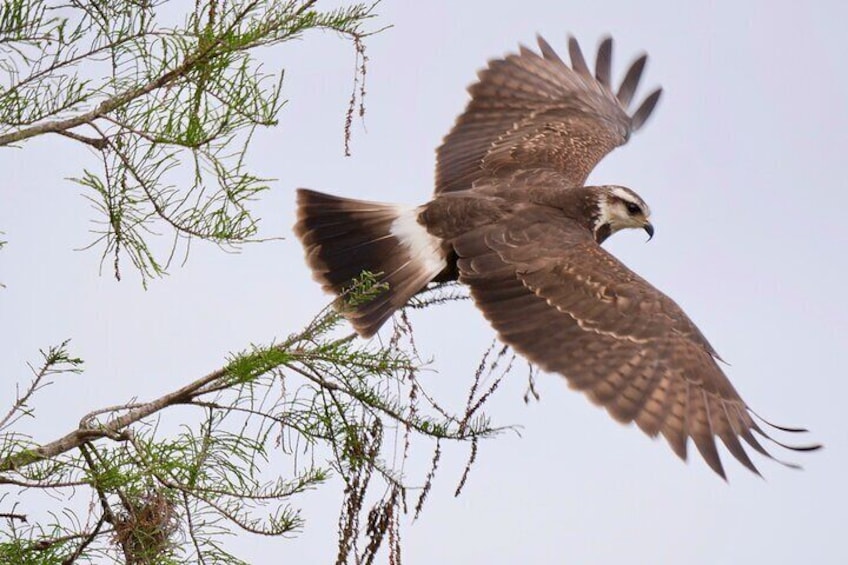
(424, 248)
(630, 196)
(612, 209)
(606, 213)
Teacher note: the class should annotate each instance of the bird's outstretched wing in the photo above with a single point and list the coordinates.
(534, 111)
(570, 307)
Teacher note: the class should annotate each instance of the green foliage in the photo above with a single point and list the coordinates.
(273, 423)
(169, 109)
(54, 361)
(166, 480)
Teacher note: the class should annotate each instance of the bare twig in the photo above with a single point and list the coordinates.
(13, 516)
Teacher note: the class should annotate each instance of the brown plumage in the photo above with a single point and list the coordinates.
(512, 219)
(528, 111)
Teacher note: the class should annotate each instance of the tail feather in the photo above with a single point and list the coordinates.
(344, 237)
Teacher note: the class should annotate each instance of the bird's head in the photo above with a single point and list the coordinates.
(620, 208)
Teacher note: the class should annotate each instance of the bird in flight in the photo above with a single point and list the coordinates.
(512, 219)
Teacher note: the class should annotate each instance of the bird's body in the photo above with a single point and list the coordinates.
(512, 219)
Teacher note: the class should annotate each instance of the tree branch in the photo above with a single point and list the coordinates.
(205, 53)
(112, 429)
(13, 516)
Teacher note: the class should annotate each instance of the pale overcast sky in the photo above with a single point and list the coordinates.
(743, 165)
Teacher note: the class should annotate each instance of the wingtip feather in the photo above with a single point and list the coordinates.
(631, 81)
(645, 109)
(603, 63)
(548, 51)
(578, 62)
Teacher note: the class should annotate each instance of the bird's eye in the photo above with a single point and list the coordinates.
(633, 209)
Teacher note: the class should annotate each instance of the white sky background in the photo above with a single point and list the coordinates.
(743, 166)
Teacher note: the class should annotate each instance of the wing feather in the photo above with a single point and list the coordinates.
(631, 81)
(728, 431)
(570, 307)
(675, 428)
(548, 51)
(535, 111)
(578, 63)
(702, 429)
(603, 63)
(645, 109)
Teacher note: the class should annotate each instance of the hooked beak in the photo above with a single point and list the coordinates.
(649, 229)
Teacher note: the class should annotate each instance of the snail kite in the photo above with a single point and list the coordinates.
(512, 219)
